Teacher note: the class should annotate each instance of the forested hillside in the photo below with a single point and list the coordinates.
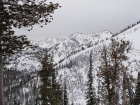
(100, 68)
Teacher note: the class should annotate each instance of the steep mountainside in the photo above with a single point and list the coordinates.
(77, 42)
(71, 57)
(75, 66)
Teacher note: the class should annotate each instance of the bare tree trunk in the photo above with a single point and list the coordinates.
(1, 82)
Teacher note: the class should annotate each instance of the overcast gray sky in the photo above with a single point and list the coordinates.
(87, 16)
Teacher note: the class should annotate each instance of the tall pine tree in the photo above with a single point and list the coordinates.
(50, 91)
(112, 68)
(65, 93)
(57, 91)
(90, 94)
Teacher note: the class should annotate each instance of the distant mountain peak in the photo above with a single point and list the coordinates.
(46, 42)
(80, 35)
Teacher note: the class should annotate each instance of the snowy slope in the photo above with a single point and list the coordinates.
(74, 67)
(133, 35)
(72, 58)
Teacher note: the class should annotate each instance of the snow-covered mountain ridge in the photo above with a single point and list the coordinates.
(77, 37)
(46, 42)
(62, 48)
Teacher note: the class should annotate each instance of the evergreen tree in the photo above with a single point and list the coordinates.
(57, 91)
(45, 76)
(90, 94)
(65, 93)
(19, 14)
(130, 80)
(137, 92)
(112, 68)
(50, 90)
